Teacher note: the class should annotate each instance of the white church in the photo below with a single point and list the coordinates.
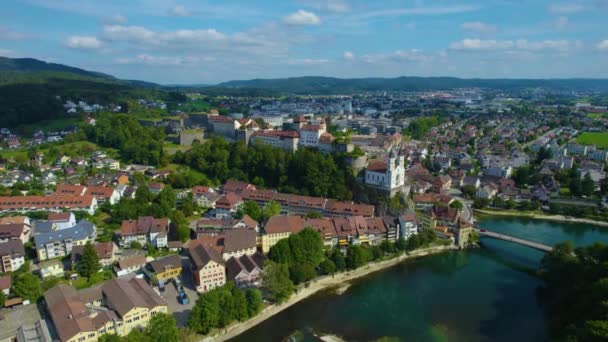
(387, 175)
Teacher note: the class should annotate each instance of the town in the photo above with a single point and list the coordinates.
(98, 237)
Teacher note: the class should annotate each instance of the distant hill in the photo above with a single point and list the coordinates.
(331, 85)
(33, 90)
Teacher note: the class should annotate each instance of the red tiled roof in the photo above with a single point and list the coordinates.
(284, 224)
(45, 202)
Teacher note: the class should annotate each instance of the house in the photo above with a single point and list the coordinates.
(55, 202)
(424, 201)
(62, 220)
(487, 191)
(208, 266)
(130, 264)
(471, 181)
(227, 205)
(104, 194)
(5, 284)
(442, 184)
(239, 242)
(246, 270)
(278, 228)
(59, 243)
(145, 229)
(51, 268)
(164, 269)
(287, 140)
(156, 188)
(15, 231)
(408, 224)
(325, 227)
(12, 255)
(116, 307)
(105, 253)
(311, 134)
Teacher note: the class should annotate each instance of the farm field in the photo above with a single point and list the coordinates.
(597, 115)
(600, 139)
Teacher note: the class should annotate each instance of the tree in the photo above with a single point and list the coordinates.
(254, 301)
(413, 243)
(250, 208)
(277, 282)
(2, 299)
(270, 209)
(314, 215)
(468, 191)
(338, 260)
(387, 246)
(89, 261)
(521, 176)
(239, 303)
(178, 220)
(300, 273)
(327, 267)
(401, 244)
(587, 185)
(188, 205)
(205, 313)
(457, 204)
(109, 338)
(27, 286)
(576, 187)
(357, 256)
(162, 328)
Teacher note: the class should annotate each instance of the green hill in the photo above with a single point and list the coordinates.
(330, 85)
(33, 90)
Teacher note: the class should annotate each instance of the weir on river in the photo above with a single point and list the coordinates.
(524, 242)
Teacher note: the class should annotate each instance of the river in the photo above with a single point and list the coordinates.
(486, 294)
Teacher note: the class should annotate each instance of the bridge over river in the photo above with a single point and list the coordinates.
(523, 242)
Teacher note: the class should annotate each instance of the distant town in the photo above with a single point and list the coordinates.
(136, 214)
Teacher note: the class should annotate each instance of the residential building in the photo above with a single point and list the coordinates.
(57, 203)
(5, 284)
(105, 252)
(208, 267)
(15, 231)
(287, 140)
(310, 134)
(227, 205)
(246, 270)
(146, 229)
(51, 268)
(278, 228)
(59, 243)
(130, 264)
(408, 225)
(116, 307)
(164, 269)
(12, 255)
(62, 220)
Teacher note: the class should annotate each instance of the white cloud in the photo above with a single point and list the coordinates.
(434, 10)
(566, 8)
(143, 36)
(116, 19)
(302, 17)
(7, 52)
(338, 6)
(472, 44)
(478, 27)
(603, 45)
(561, 22)
(349, 56)
(83, 42)
(165, 60)
(307, 61)
(8, 34)
(179, 11)
(398, 56)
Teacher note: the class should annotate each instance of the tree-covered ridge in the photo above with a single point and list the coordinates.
(575, 296)
(330, 85)
(305, 172)
(31, 64)
(136, 143)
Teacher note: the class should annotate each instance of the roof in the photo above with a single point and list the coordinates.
(377, 166)
(229, 200)
(232, 185)
(324, 226)
(59, 217)
(245, 263)
(168, 262)
(68, 189)
(349, 208)
(11, 231)
(201, 255)
(124, 295)
(284, 224)
(12, 247)
(82, 230)
(249, 222)
(68, 311)
(104, 192)
(425, 198)
(5, 282)
(13, 220)
(131, 261)
(144, 225)
(239, 239)
(45, 202)
(277, 134)
(104, 250)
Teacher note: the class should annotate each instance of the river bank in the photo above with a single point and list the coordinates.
(538, 216)
(317, 285)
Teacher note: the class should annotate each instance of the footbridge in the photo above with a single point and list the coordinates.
(519, 241)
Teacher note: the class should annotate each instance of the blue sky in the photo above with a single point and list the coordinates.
(199, 41)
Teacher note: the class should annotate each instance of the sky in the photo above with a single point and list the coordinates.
(206, 42)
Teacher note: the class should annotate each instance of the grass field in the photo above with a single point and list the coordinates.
(597, 115)
(598, 139)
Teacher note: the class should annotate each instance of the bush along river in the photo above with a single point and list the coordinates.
(485, 294)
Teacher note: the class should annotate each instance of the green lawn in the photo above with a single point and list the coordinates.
(599, 139)
(597, 115)
(82, 282)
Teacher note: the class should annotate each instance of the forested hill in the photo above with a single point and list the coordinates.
(330, 85)
(33, 90)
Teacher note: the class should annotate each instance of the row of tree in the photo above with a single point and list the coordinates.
(222, 306)
(306, 172)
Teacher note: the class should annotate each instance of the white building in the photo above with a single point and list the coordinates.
(310, 134)
(387, 175)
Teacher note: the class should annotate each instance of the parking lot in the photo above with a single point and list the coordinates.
(170, 295)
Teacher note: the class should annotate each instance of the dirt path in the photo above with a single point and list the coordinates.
(315, 286)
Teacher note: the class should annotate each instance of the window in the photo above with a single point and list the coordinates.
(80, 339)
